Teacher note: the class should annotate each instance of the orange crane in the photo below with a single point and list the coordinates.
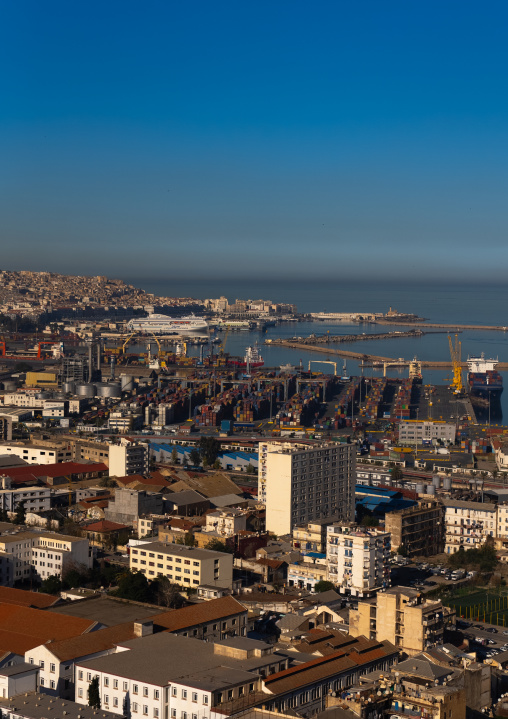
(455, 353)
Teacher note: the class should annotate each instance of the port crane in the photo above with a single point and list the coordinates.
(455, 352)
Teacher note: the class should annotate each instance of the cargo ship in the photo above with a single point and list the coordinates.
(252, 359)
(483, 379)
(162, 324)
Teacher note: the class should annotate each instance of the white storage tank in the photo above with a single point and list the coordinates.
(430, 489)
(109, 389)
(85, 389)
(420, 489)
(127, 382)
(447, 483)
(69, 387)
(436, 481)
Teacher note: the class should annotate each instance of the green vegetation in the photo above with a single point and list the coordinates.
(188, 539)
(483, 559)
(20, 516)
(136, 587)
(94, 694)
(323, 586)
(217, 546)
(209, 449)
(195, 457)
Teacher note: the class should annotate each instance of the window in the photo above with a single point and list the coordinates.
(174, 692)
(134, 688)
(52, 668)
(115, 701)
(134, 707)
(183, 715)
(42, 681)
(106, 681)
(205, 699)
(184, 693)
(156, 712)
(173, 713)
(115, 683)
(41, 664)
(52, 684)
(30, 660)
(125, 686)
(194, 697)
(106, 699)
(155, 693)
(88, 676)
(145, 709)
(80, 693)
(145, 691)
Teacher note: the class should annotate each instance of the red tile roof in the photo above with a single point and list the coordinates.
(104, 525)
(178, 619)
(92, 642)
(23, 598)
(56, 470)
(25, 628)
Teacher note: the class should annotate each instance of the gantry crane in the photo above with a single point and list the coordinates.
(455, 353)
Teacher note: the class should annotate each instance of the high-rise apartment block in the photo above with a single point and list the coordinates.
(307, 482)
(358, 559)
(128, 457)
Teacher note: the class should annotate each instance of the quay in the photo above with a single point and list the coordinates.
(450, 327)
(367, 358)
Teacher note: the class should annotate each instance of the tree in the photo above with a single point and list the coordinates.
(195, 457)
(174, 456)
(217, 464)
(323, 586)
(217, 546)
(20, 516)
(169, 594)
(402, 551)
(94, 694)
(4, 517)
(134, 585)
(209, 449)
(188, 539)
(396, 473)
(51, 585)
(250, 469)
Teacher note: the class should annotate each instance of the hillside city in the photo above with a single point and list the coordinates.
(194, 535)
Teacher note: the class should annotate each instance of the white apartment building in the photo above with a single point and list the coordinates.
(128, 457)
(35, 499)
(32, 454)
(502, 520)
(24, 399)
(263, 449)
(308, 571)
(39, 555)
(413, 432)
(165, 676)
(358, 559)
(226, 522)
(305, 483)
(468, 524)
(187, 566)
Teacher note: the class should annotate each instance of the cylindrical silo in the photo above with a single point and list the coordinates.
(69, 387)
(447, 483)
(430, 489)
(85, 389)
(10, 385)
(436, 481)
(420, 489)
(111, 389)
(127, 382)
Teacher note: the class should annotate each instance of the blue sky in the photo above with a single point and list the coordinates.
(270, 138)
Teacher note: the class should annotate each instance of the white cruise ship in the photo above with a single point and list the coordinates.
(160, 324)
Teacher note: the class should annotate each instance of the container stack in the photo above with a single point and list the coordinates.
(401, 407)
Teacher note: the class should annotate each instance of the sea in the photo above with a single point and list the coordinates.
(475, 304)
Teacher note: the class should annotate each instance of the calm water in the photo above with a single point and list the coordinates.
(461, 304)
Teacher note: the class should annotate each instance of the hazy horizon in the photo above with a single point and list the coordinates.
(345, 141)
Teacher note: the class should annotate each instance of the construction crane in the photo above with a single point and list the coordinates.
(127, 342)
(455, 352)
(223, 344)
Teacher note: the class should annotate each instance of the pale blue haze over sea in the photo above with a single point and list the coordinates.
(439, 302)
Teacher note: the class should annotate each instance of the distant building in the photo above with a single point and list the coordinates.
(413, 432)
(128, 457)
(183, 565)
(129, 504)
(308, 483)
(419, 529)
(403, 617)
(468, 524)
(358, 559)
(39, 555)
